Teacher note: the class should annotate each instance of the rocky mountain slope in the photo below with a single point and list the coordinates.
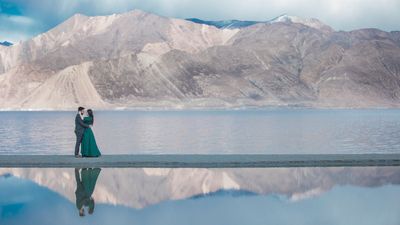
(138, 59)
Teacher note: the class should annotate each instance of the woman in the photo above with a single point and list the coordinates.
(85, 183)
(89, 147)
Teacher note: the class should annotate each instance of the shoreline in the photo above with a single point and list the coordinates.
(201, 161)
(160, 109)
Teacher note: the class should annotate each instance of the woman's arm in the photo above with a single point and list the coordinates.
(80, 121)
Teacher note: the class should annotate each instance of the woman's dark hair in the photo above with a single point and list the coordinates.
(90, 113)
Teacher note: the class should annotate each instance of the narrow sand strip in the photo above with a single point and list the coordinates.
(202, 161)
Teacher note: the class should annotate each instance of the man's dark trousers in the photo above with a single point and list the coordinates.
(79, 138)
(80, 127)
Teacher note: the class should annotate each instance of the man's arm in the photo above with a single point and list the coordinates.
(80, 121)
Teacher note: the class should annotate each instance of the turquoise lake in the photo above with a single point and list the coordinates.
(267, 131)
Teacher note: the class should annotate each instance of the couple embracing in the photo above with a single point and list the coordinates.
(84, 134)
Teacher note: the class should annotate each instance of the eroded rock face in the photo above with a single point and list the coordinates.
(140, 59)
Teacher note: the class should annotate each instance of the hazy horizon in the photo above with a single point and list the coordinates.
(24, 19)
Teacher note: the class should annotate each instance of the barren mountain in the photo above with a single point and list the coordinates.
(138, 59)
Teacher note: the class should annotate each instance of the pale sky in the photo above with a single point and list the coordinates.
(22, 19)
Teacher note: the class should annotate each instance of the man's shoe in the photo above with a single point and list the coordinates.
(78, 156)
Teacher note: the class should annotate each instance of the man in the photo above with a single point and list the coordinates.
(80, 127)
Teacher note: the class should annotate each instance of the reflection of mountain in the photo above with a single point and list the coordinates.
(138, 59)
(24, 202)
(151, 186)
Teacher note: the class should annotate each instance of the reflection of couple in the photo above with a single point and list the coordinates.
(85, 184)
(84, 134)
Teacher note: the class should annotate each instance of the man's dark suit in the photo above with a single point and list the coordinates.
(80, 127)
(82, 197)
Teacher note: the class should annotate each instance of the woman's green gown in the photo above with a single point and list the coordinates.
(89, 147)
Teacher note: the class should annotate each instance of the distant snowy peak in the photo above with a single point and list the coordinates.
(310, 22)
(225, 24)
(6, 43)
(233, 24)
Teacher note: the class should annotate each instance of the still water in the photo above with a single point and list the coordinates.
(207, 132)
(287, 196)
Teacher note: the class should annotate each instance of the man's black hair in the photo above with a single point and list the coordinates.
(80, 108)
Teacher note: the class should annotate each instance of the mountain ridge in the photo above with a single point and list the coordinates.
(141, 60)
(284, 18)
(6, 43)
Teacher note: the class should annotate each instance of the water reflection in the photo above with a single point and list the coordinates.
(86, 179)
(149, 186)
(201, 196)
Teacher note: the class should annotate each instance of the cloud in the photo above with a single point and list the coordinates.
(16, 28)
(20, 20)
(340, 14)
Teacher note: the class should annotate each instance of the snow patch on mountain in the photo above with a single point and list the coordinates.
(224, 24)
(310, 22)
(234, 24)
(298, 196)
